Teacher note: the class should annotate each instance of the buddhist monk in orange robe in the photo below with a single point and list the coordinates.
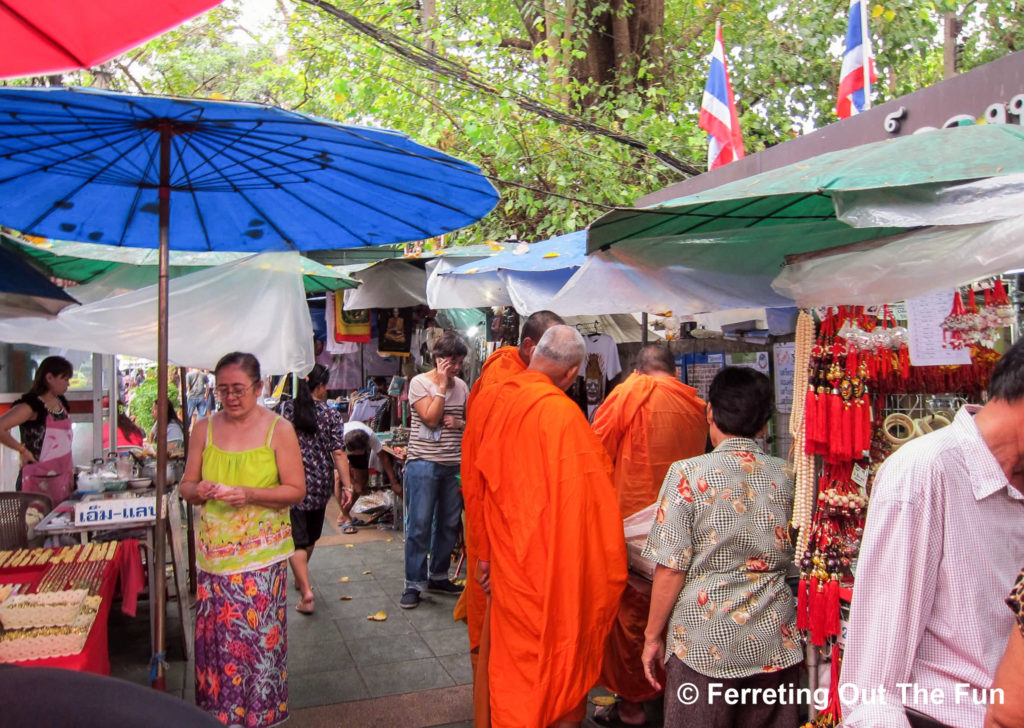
(500, 366)
(647, 423)
(551, 550)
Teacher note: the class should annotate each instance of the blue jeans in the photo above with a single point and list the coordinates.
(432, 490)
(195, 404)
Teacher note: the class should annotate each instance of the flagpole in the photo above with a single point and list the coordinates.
(865, 44)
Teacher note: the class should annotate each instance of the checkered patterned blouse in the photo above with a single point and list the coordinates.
(722, 519)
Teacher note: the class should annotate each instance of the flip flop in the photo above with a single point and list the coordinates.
(308, 606)
(348, 527)
(608, 715)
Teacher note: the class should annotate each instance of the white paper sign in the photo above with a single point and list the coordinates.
(785, 361)
(117, 510)
(924, 322)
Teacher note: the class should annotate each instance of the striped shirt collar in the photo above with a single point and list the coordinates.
(987, 476)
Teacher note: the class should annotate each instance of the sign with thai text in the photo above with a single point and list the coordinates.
(116, 510)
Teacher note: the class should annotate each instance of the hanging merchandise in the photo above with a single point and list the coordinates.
(600, 364)
(395, 326)
(350, 325)
(857, 398)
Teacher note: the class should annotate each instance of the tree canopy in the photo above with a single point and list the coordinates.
(569, 106)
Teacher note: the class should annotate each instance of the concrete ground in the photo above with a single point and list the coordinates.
(410, 670)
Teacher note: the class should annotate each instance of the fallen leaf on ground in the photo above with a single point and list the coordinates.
(350, 545)
(367, 572)
(345, 599)
(388, 540)
(343, 579)
(603, 700)
(378, 617)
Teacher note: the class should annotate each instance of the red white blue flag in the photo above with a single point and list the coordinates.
(718, 111)
(858, 66)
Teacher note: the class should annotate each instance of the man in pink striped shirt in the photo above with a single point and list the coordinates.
(943, 543)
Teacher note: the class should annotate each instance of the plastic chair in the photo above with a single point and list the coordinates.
(14, 510)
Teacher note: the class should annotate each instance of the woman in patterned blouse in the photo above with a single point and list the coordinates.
(722, 548)
(1007, 709)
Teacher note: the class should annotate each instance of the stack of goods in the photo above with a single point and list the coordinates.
(52, 615)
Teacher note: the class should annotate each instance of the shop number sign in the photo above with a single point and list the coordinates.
(119, 510)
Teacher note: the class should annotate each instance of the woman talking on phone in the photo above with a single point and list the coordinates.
(438, 400)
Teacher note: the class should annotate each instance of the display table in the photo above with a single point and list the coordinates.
(126, 564)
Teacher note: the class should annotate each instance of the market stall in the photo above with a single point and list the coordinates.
(54, 603)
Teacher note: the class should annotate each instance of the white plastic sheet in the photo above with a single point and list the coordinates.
(617, 281)
(388, 284)
(983, 200)
(531, 291)
(907, 266)
(256, 305)
(470, 291)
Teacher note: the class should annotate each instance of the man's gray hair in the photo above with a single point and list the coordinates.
(562, 345)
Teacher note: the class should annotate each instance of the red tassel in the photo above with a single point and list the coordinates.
(832, 608)
(846, 433)
(863, 428)
(816, 613)
(821, 437)
(835, 424)
(810, 418)
(802, 607)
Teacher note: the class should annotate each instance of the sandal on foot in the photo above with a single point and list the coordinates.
(305, 606)
(348, 527)
(609, 715)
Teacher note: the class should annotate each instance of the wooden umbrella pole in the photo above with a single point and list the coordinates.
(158, 600)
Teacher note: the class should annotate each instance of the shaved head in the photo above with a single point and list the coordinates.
(534, 328)
(559, 354)
(655, 359)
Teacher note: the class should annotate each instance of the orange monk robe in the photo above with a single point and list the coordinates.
(500, 366)
(646, 424)
(545, 510)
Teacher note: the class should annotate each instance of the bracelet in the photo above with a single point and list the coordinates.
(899, 429)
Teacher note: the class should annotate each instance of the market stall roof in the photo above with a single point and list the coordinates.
(526, 276)
(24, 291)
(722, 248)
(809, 192)
(400, 282)
(255, 304)
(82, 262)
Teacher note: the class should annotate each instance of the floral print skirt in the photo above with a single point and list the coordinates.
(241, 648)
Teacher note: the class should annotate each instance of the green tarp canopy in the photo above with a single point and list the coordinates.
(83, 262)
(754, 222)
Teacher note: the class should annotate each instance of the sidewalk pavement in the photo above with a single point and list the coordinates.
(412, 669)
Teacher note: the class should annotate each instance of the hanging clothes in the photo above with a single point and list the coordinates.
(351, 325)
(601, 364)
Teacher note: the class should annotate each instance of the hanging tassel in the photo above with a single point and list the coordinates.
(846, 432)
(862, 441)
(821, 437)
(810, 418)
(816, 612)
(835, 424)
(832, 606)
(803, 595)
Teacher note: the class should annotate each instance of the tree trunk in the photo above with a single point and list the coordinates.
(950, 33)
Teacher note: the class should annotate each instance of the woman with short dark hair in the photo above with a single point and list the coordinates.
(438, 400)
(44, 419)
(722, 549)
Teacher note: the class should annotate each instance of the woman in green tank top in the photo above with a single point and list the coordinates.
(245, 470)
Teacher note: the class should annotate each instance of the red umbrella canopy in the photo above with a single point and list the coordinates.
(63, 35)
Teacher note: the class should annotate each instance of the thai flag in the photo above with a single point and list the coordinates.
(718, 111)
(858, 66)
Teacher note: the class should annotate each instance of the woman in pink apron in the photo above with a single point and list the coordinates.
(45, 422)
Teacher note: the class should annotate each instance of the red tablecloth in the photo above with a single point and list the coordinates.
(95, 656)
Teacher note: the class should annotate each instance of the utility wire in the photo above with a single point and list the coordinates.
(439, 64)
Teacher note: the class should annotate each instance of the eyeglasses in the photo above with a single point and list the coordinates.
(238, 391)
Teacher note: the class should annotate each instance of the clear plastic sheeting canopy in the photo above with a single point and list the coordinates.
(388, 284)
(256, 305)
(905, 266)
(964, 203)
